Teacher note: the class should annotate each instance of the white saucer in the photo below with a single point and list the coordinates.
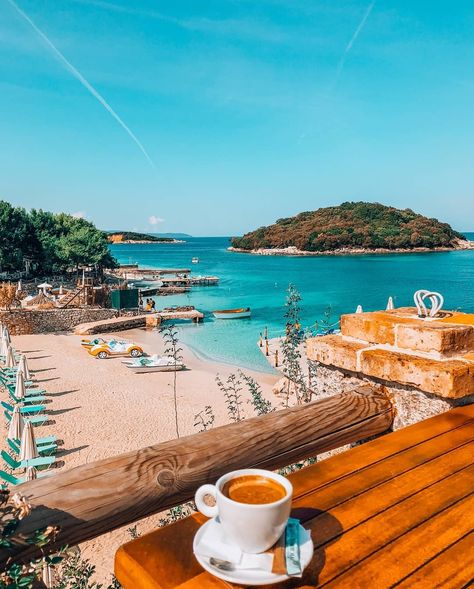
(248, 576)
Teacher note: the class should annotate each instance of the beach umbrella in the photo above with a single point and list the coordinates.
(17, 424)
(31, 473)
(28, 449)
(390, 304)
(20, 385)
(61, 290)
(23, 367)
(10, 358)
(18, 286)
(6, 336)
(359, 309)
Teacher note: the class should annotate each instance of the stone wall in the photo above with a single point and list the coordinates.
(27, 321)
(411, 404)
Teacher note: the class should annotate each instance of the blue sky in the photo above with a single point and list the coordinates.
(249, 110)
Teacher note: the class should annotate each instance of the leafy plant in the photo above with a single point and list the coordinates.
(13, 509)
(259, 403)
(232, 389)
(204, 420)
(291, 354)
(170, 335)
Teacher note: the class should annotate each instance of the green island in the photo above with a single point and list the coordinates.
(352, 227)
(134, 237)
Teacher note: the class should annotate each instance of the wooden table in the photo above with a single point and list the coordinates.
(397, 511)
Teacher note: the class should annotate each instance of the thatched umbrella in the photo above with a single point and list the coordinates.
(23, 367)
(17, 424)
(28, 449)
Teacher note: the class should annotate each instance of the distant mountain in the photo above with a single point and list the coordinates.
(173, 235)
(353, 226)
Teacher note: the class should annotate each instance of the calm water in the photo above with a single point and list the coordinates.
(261, 281)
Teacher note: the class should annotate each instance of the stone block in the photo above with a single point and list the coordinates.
(378, 327)
(435, 337)
(450, 378)
(334, 350)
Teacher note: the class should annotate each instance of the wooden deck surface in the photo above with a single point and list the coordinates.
(394, 512)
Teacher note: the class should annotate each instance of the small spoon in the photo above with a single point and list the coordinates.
(223, 565)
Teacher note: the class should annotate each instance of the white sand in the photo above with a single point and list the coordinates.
(100, 408)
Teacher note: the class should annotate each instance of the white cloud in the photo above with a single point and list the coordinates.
(154, 220)
(79, 215)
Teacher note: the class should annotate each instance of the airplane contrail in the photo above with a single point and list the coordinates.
(349, 46)
(82, 80)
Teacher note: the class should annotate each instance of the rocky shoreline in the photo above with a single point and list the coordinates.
(294, 251)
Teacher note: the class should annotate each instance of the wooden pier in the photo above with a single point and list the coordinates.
(185, 281)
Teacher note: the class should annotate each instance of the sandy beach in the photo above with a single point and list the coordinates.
(99, 408)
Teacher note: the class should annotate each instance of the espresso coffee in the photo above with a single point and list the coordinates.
(253, 489)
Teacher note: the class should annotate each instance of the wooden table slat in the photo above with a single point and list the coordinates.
(358, 543)
(419, 545)
(453, 567)
(385, 446)
(457, 443)
(358, 509)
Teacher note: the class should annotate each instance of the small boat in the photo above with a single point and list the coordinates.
(195, 260)
(232, 313)
(154, 364)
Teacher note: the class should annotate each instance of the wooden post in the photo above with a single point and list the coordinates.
(276, 358)
(266, 332)
(261, 341)
(93, 499)
(267, 353)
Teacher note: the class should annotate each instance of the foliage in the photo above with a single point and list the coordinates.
(76, 572)
(176, 513)
(232, 389)
(204, 420)
(170, 335)
(52, 242)
(352, 225)
(290, 348)
(14, 508)
(259, 403)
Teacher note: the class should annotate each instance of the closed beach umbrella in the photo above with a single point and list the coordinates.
(31, 473)
(23, 367)
(390, 304)
(20, 386)
(10, 358)
(28, 449)
(359, 309)
(18, 286)
(61, 290)
(17, 424)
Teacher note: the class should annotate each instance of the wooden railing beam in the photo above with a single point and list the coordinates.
(93, 499)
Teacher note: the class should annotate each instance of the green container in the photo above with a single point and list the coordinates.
(124, 299)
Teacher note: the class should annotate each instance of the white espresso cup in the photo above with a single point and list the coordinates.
(254, 528)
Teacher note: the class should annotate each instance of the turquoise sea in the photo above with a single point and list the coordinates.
(260, 282)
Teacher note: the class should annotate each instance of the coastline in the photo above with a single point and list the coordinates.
(294, 251)
(146, 241)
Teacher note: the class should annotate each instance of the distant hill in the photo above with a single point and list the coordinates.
(173, 235)
(353, 226)
(134, 237)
